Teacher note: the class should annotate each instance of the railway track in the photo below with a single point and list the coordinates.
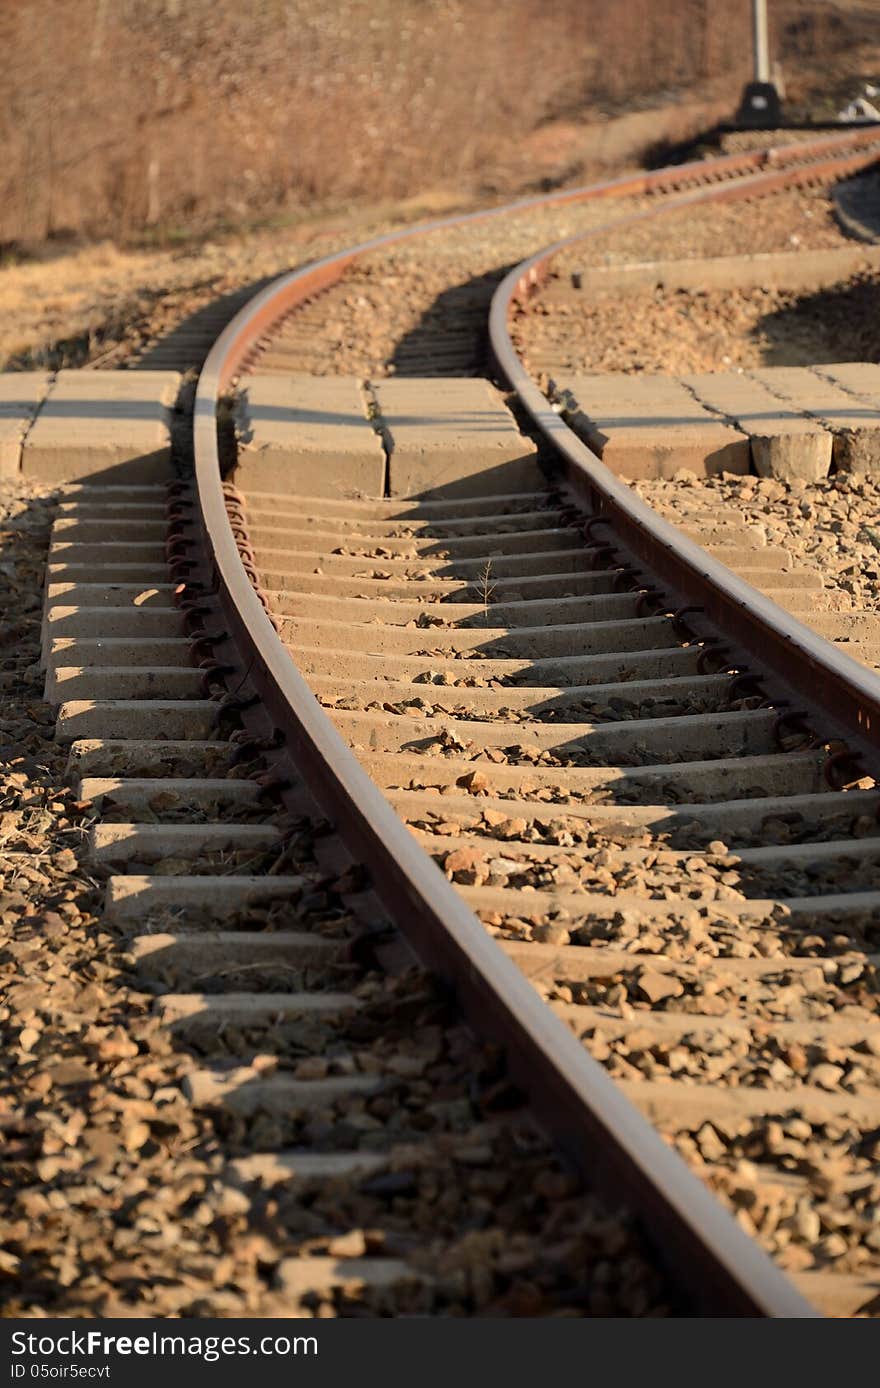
(656, 813)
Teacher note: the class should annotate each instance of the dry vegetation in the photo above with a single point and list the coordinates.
(125, 114)
(130, 128)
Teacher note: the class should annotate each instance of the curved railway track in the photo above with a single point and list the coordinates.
(649, 794)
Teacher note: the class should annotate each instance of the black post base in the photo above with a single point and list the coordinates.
(760, 107)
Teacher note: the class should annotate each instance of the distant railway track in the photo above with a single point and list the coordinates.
(594, 728)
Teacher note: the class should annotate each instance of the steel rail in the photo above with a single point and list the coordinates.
(829, 683)
(289, 291)
(722, 1270)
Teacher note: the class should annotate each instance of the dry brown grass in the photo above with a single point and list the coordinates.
(122, 114)
(66, 306)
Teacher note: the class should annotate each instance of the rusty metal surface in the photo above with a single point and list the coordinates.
(723, 1271)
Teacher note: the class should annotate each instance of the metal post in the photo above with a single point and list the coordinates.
(760, 106)
(760, 40)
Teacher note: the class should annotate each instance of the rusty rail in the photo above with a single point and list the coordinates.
(722, 1270)
(825, 680)
(288, 292)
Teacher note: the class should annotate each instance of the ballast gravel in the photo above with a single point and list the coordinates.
(831, 527)
(116, 1197)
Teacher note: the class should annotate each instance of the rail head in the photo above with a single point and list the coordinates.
(724, 1271)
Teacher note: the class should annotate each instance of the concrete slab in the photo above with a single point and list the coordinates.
(858, 377)
(785, 442)
(21, 395)
(311, 434)
(861, 380)
(801, 269)
(110, 425)
(452, 437)
(854, 422)
(649, 426)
